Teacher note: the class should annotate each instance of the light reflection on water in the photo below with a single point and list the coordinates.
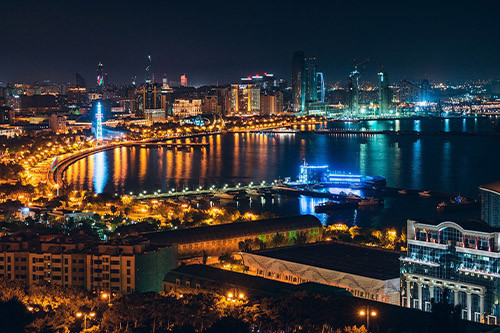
(100, 171)
(453, 163)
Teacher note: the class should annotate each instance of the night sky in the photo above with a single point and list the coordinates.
(219, 41)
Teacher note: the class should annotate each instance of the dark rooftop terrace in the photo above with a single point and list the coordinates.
(354, 259)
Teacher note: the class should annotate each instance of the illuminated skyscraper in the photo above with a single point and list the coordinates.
(311, 83)
(353, 92)
(149, 74)
(100, 75)
(184, 80)
(384, 93)
(245, 99)
(320, 87)
(298, 82)
(165, 82)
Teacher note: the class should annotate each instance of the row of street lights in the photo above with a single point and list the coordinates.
(200, 188)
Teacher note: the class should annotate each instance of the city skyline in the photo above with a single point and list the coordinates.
(412, 42)
(249, 166)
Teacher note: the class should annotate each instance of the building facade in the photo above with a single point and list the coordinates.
(184, 108)
(298, 82)
(225, 238)
(384, 93)
(458, 263)
(245, 99)
(124, 266)
(490, 203)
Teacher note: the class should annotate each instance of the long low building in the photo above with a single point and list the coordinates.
(366, 272)
(224, 238)
(193, 278)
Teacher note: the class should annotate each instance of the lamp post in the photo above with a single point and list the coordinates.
(368, 313)
(107, 297)
(234, 296)
(85, 315)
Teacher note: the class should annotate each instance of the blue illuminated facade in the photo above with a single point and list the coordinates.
(490, 203)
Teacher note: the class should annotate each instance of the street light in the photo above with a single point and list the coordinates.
(107, 297)
(85, 315)
(368, 313)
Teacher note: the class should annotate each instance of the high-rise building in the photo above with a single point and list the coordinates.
(271, 102)
(490, 203)
(77, 94)
(149, 74)
(149, 96)
(298, 82)
(384, 93)
(245, 99)
(320, 87)
(100, 75)
(165, 82)
(353, 92)
(184, 80)
(311, 80)
(424, 91)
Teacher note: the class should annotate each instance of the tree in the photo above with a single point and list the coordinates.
(259, 243)
(278, 240)
(13, 316)
(96, 217)
(229, 325)
(301, 238)
(246, 246)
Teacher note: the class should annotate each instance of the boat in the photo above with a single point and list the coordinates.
(353, 197)
(335, 205)
(425, 194)
(283, 189)
(458, 203)
(370, 202)
(253, 193)
(223, 195)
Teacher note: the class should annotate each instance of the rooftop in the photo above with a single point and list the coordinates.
(470, 224)
(232, 230)
(493, 187)
(342, 257)
(254, 285)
